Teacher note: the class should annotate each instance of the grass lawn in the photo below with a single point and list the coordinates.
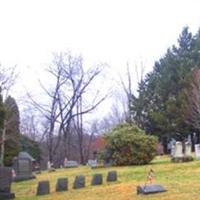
(182, 180)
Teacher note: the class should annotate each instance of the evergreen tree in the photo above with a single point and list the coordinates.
(30, 146)
(12, 131)
(162, 102)
(2, 113)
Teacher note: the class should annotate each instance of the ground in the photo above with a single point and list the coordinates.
(182, 180)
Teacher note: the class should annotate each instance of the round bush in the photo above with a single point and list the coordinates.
(129, 145)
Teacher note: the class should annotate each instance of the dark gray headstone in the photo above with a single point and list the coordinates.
(62, 184)
(5, 183)
(97, 179)
(23, 168)
(43, 188)
(79, 182)
(150, 189)
(112, 176)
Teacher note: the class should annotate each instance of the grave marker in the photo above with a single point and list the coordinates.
(5, 183)
(23, 167)
(79, 182)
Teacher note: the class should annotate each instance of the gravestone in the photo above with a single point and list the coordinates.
(150, 189)
(50, 167)
(71, 163)
(79, 182)
(5, 183)
(65, 162)
(112, 176)
(92, 163)
(23, 167)
(43, 188)
(172, 150)
(178, 153)
(197, 151)
(188, 149)
(62, 184)
(97, 179)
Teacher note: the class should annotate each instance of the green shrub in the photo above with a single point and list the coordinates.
(129, 145)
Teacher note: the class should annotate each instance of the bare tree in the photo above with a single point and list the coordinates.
(71, 85)
(192, 116)
(132, 79)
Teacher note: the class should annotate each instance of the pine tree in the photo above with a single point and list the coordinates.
(12, 131)
(162, 102)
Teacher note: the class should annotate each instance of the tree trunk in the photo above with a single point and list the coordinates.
(164, 143)
(192, 141)
(198, 138)
(3, 145)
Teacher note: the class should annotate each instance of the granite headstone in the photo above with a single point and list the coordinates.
(23, 167)
(43, 188)
(92, 163)
(178, 153)
(97, 179)
(112, 176)
(5, 183)
(71, 163)
(62, 184)
(188, 149)
(79, 182)
(150, 189)
(197, 151)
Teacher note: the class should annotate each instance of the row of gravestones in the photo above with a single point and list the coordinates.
(79, 182)
(177, 150)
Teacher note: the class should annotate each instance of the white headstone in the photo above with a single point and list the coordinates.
(188, 149)
(178, 150)
(48, 165)
(65, 162)
(197, 151)
(92, 163)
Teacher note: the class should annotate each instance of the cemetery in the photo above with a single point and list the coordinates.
(102, 128)
(180, 180)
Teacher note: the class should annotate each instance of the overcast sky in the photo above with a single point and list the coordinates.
(111, 31)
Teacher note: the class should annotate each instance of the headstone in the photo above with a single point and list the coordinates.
(5, 183)
(97, 179)
(65, 162)
(50, 167)
(43, 188)
(23, 167)
(172, 150)
(188, 149)
(112, 176)
(71, 163)
(150, 189)
(79, 182)
(62, 184)
(178, 150)
(197, 151)
(92, 163)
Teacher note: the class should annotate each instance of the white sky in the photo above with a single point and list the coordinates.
(112, 31)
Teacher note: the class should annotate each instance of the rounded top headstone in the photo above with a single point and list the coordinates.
(23, 155)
